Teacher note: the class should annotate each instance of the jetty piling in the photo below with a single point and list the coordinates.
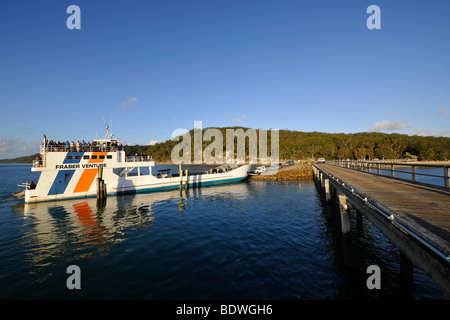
(327, 189)
(345, 215)
(101, 186)
(391, 204)
(181, 177)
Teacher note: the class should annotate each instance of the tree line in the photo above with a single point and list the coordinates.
(298, 145)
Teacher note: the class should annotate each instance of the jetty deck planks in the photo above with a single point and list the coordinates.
(426, 206)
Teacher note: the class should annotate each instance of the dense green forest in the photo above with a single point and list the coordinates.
(304, 145)
(295, 145)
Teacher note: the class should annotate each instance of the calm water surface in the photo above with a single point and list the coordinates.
(250, 240)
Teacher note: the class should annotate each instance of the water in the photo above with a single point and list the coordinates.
(250, 240)
(433, 176)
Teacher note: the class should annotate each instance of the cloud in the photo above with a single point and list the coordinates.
(12, 148)
(127, 104)
(7, 145)
(178, 132)
(442, 134)
(386, 125)
(244, 117)
(153, 142)
(441, 111)
(421, 132)
(429, 133)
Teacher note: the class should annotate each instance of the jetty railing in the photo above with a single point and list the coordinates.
(142, 158)
(390, 168)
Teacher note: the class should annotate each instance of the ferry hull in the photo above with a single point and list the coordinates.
(118, 187)
(102, 167)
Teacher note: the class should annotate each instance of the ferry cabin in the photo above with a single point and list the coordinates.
(71, 173)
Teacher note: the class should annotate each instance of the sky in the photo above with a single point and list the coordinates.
(150, 68)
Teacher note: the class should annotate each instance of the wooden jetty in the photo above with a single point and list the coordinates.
(414, 216)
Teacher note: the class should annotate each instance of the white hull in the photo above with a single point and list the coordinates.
(70, 175)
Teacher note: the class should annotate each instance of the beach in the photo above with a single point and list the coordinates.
(302, 171)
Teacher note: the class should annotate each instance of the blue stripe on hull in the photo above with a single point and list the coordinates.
(61, 181)
(63, 177)
(73, 155)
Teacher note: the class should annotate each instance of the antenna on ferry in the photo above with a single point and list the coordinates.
(108, 135)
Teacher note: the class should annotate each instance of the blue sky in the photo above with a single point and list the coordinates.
(156, 66)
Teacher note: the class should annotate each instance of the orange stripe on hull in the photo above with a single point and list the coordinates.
(88, 175)
(86, 179)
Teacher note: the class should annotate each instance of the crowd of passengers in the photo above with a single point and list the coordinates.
(81, 146)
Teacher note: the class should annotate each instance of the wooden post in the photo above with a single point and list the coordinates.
(345, 217)
(186, 186)
(406, 270)
(181, 177)
(327, 190)
(99, 183)
(101, 186)
(413, 171)
(105, 193)
(447, 176)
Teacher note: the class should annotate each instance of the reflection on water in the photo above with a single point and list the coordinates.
(82, 228)
(249, 240)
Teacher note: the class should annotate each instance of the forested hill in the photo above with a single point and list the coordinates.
(25, 159)
(303, 145)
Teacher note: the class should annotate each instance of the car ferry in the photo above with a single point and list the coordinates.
(69, 171)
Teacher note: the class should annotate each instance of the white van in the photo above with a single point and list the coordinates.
(260, 170)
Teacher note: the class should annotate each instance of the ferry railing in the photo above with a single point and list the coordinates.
(39, 163)
(81, 148)
(381, 167)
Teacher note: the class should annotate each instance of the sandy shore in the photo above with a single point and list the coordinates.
(295, 172)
